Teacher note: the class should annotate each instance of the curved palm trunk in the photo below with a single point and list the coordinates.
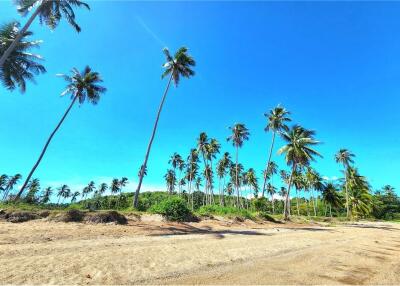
(269, 160)
(18, 38)
(44, 149)
(143, 167)
(287, 201)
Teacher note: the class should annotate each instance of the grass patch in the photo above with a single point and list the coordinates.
(229, 212)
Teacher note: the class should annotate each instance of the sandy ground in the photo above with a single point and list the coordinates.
(41, 252)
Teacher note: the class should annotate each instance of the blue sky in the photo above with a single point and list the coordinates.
(334, 65)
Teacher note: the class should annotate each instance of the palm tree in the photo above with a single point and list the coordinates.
(177, 162)
(46, 195)
(331, 196)
(359, 193)
(102, 188)
(239, 134)
(170, 179)
(271, 190)
(74, 196)
(21, 65)
(277, 119)
(62, 191)
(3, 182)
(252, 181)
(115, 186)
(345, 157)
(212, 150)
(82, 87)
(222, 167)
(49, 12)
(11, 182)
(388, 190)
(90, 188)
(192, 168)
(179, 65)
(269, 172)
(203, 148)
(298, 152)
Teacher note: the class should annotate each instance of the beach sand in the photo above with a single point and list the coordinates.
(208, 252)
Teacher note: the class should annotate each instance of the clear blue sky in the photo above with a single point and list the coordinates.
(334, 65)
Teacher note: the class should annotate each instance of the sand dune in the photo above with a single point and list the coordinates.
(41, 252)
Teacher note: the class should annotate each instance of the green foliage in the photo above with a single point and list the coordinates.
(173, 208)
(260, 204)
(230, 212)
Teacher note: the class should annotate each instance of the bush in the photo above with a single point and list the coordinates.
(260, 204)
(231, 212)
(173, 208)
(107, 217)
(22, 216)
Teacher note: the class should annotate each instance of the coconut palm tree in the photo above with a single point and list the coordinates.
(298, 152)
(177, 162)
(222, 168)
(49, 12)
(276, 122)
(252, 181)
(269, 172)
(11, 182)
(330, 196)
(33, 189)
(271, 190)
(74, 196)
(46, 195)
(21, 65)
(82, 87)
(62, 192)
(3, 182)
(345, 157)
(202, 147)
(239, 134)
(102, 189)
(175, 67)
(170, 180)
(212, 150)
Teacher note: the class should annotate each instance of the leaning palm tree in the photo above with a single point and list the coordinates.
(102, 188)
(82, 87)
(3, 182)
(176, 67)
(49, 12)
(298, 152)
(62, 192)
(46, 195)
(345, 157)
(11, 182)
(21, 65)
(239, 134)
(74, 196)
(277, 119)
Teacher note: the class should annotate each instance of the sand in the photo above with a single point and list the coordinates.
(209, 252)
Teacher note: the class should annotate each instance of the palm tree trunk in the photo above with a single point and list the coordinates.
(143, 167)
(44, 149)
(287, 204)
(223, 190)
(18, 38)
(297, 202)
(236, 175)
(269, 160)
(315, 211)
(347, 194)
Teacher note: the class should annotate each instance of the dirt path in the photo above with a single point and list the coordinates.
(39, 252)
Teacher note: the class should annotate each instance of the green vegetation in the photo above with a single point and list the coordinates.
(172, 208)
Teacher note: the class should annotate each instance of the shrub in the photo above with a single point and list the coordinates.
(260, 204)
(21, 216)
(107, 217)
(231, 212)
(173, 208)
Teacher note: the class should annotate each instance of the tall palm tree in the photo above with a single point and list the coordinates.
(46, 195)
(203, 148)
(298, 151)
(102, 189)
(176, 67)
(239, 134)
(170, 180)
(21, 65)
(115, 186)
(62, 192)
(222, 167)
(177, 162)
(252, 181)
(271, 190)
(212, 150)
(74, 196)
(331, 196)
(82, 87)
(11, 182)
(269, 172)
(345, 157)
(192, 168)
(276, 122)
(49, 12)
